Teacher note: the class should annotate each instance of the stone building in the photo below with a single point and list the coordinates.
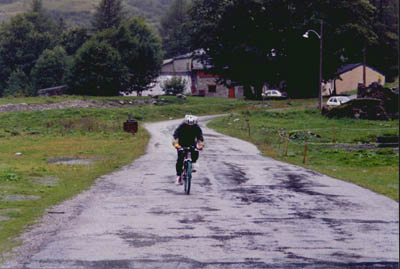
(199, 82)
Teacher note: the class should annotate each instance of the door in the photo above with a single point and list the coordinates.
(231, 93)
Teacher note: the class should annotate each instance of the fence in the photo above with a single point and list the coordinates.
(302, 141)
(285, 137)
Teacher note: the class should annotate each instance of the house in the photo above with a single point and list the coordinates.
(198, 81)
(349, 76)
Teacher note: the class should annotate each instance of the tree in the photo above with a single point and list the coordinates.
(97, 70)
(108, 14)
(73, 39)
(174, 29)
(22, 40)
(140, 51)
(266, 44)
(384, 54)
(50, 69)
(18, 84)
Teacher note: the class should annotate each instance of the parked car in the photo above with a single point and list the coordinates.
(274, 94)
(337, 100)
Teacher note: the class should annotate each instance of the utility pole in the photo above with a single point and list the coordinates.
(365, 66)
(320, 36)
(320, 67)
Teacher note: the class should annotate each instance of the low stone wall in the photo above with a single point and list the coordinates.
(368, 109)
(389, 98)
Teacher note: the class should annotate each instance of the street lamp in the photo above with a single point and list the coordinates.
(306, 35)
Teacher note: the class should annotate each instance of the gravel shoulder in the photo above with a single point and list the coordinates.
(74, 104)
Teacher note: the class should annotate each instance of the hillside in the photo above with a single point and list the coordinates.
(78, 12)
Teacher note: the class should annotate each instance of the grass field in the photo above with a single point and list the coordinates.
(95, 134)
(337, 147)
(32, 142)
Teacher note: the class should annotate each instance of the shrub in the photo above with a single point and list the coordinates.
(174, 86)
(9, 175)
(18, 84)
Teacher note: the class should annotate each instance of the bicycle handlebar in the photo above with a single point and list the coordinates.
(188, 148)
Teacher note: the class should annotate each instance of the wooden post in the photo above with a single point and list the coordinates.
(333, 133)
(364, 65)
(287, 144)
(248, 126)
(279, 141)
(305, 150)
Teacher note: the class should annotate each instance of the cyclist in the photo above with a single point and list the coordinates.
(187, 134)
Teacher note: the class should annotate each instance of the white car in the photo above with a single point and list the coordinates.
(273, 94)
(337, 100)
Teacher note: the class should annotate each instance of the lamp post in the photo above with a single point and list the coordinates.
(320, 62)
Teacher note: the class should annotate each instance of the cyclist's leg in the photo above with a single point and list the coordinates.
(179, 164)
(195, 155)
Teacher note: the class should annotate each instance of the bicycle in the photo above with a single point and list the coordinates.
(187, 168)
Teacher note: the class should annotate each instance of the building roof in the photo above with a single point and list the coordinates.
(348, 67)
(196, 63)
(184, 56)
(167, 61)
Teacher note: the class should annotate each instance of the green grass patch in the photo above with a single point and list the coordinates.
(341, 148)
(32, 141)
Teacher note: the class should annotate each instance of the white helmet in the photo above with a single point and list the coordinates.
(190, 120)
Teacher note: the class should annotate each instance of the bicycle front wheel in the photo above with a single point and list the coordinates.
(188, 180)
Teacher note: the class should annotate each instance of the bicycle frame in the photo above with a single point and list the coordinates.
(187, 168)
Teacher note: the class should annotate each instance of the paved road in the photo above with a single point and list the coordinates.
(245, 211)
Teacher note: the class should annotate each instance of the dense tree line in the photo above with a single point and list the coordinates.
(384, 54)
(247, 42)
(250, 42)
(117, 54)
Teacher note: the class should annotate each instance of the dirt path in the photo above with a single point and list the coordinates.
(245, 211)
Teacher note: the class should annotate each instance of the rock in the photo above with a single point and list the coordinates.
(48, 181)
(4, 218)
(181, 96)
(70, 161)
(18, 153)
(19, 197)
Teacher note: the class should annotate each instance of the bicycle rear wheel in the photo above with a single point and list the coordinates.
(188, 175)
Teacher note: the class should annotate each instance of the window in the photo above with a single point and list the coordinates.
(212, 88)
